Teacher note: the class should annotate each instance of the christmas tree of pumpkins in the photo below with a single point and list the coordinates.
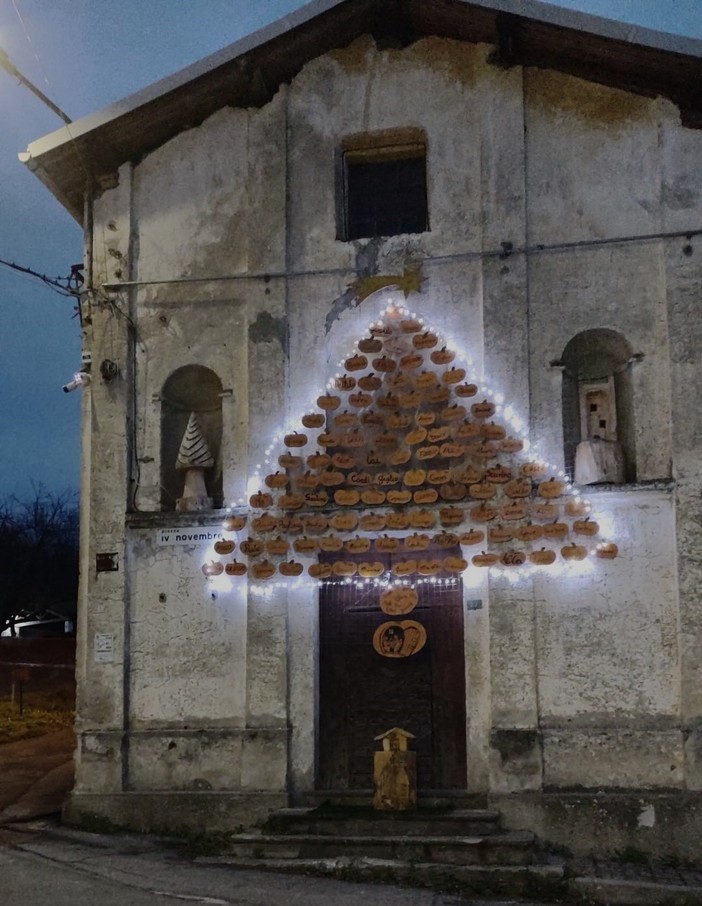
(405, 473)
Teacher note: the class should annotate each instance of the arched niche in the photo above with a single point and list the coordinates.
(597, 399)
(192, 388)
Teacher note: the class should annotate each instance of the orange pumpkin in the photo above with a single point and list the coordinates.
(261, 500)
(404, 567)
(410, 400)
(318, 460)
(386, 545)
(453, 375)
(316, 498)
(399, 421)
(344, 522)
(451, 451)
(425, 380)
(574, 552)
(482, 490)
(545, 510)
(397, 521)
(577, 507)
(384, 364)
(264, 523)
(372, 522)
(290, 525)
(417, 542)
(551, 488)
(451, 516)
(235, 568)
(455, 564)
(543, 557)
(213, 568)
(421, 519)
(468, 429)
(443, 356)
(373, 497)
(290, 568)
(410, 325)
(295, 440)
(356, 362)
(346, 497)
(483, 513)
(353, 439)
(331, 478)
(345, 383)
(453, 413)
(277, 480)
(425, 496)
(276, 547)
(513, 558)
(289, 461)
(360, 399)
(400, 457)
(498, 474)
(485, 559)
(344, 568)
(263, 570)
(389, 401)
(607, 550)
(330, 544)
(466, 475)
(438, 396)
(474, 536)
(585, 527)
(414, 477)
(529, 532)
(370, 382)
(484, 409)
(418, 436)
(555, 530)
(411, 361)
(234, 523)
(224, 546)
(518, 488)
(438, 434)
(499, 534)
(328, 440)
(438, 476)
(315, 524)
(513, 510)
(429, 452)
(320, 570)
(305, 545)
(328, 401)
(491, 431)
(371, 345)
(358, 545)
(511, 445)
(429, 567)
(371, 570)
(465, 390)
(313, 420)
(343, 461)
(533, 470)
(426, 340)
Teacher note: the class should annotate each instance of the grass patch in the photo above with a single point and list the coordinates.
(35, 721)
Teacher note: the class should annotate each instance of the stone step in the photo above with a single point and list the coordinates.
(486, 881)
(436, 799)
(515, 848)
(360, 821)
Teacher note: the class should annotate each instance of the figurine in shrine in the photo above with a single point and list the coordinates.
(194, 457)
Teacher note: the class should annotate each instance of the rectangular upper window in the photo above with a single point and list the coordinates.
(384, 191)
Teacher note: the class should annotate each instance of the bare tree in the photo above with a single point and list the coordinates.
(38, 557)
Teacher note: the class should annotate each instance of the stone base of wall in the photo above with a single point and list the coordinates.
(606, 822)
(156, 812)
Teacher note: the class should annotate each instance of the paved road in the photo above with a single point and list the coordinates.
(42, 863)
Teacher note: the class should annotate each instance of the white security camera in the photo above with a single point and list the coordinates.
(80, 379)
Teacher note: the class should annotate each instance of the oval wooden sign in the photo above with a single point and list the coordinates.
(398, 601)
(399, 639)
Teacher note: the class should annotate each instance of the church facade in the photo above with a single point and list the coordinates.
(392, 422)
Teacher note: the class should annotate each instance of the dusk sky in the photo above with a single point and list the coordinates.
(85, 54)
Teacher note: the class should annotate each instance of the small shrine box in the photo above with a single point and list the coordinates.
(395, 772)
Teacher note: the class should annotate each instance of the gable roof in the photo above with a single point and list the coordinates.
(250, 71)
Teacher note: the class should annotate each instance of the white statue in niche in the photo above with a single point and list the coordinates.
(193, 458)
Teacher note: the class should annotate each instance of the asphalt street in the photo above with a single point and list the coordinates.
(41, 863)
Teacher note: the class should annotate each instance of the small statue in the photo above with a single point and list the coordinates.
(193, 458)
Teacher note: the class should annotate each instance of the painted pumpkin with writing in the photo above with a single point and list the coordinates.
(343, 461)
(410, 325)
(373, 497)
(483, 513)
(498, 474)
(386, 440)
(438, 476)
(486, 450)
(411, 361)
(397, 521)
(372, 522)
(467, 430)
(315, 524)
(400, 457)
(465, 391)
(320, 570)
(455, 564)
(328, 401)
(491, 431)
(482, 490)
(451, 450)
(513, 511)
(295, 440)
(426, 340)
(290, 568)
(466, 474)
(484, 409)
(370, 382)
(398, 380)
(417, 542)
(224, 546)
(370, 345)
(429, 452)
(291, 501)
(583, 527)
(404, 567)
(263, 570)
(443, 356)
(425, 380)
(450, 516)
(277, 480)
(370, 569)
(389, 401)
(396, 601)
(344, 568)
(331, 544)
(235, 568)
(372, 419)
(551, 488)
(513, 558)
(276, 547)
(346, 419)
(384, 364)
(543, 557)
(425, 496)
(346, 497)
(511, 445)
(445, 540)
(417, 436)
(414, 477)
(453, 413)
(290, 525)
(399, 421)
(356, 362)
(474, 536)
(315, 498)
(453, 491)
(373, 459)
(289, 461)
(360, 399)
(485, 559)
(429, 567)
(545, 510)
(261, 500)
(345, 383)
(500, 534)
(425, 418)
(386, 545)
(213, 568)
(234, 523)
(555, 530)
(534, 470)
(438, 434)
(518, 488)
(410, 400)
(358, 545)
(529, 532)
(574, 552)
(607, 550)
(577, 507)
(453, 376)
(344, 522)
(313, 420)
(305, 545)
(421, 519)
(318, 460)
(438, 396)
(331, 478)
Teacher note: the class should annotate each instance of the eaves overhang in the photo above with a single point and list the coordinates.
(250, 72)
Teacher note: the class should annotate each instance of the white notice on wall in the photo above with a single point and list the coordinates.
(194, 535)
(104, 648)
